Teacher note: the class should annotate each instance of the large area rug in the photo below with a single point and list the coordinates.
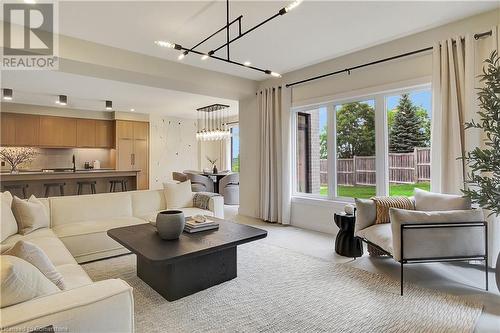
(281, 291)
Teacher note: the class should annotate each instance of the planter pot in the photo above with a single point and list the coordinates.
(497, 274)
(170, 224)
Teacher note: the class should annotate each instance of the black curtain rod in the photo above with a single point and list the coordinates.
(348, 70)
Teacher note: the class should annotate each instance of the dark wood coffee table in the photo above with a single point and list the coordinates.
(194, 262)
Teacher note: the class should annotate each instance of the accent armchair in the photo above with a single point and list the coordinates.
(443, 228)
(229, 188)
(179, 176)
(200, 183)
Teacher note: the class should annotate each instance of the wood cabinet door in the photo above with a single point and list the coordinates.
(86, 133)
(8, 135)
(57, 132)
(104, 134)
(27, 129)
(141, 130)
(141, 162)
(124, 151)
(124, 129)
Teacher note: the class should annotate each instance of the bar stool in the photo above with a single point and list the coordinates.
(113, 183)
(14, 187)
(48, 186)
(81, 184)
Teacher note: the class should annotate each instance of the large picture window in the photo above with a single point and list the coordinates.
(380, 146)
(235, 149)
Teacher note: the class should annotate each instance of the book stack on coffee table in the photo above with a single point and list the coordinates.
(193, 226)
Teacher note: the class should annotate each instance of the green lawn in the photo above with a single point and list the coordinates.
(369, 191)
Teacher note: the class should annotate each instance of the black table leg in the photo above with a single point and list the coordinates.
(188, 276)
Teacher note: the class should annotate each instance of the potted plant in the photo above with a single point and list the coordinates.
(483, 180)
(16, 156)
(212, 162)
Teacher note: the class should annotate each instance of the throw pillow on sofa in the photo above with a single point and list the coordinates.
(429, 201)
(8, 225)
(30, 214)
(20, 281)
(35, 256)
(178, 195)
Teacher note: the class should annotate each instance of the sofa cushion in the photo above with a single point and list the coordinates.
(21, 281)
(90, 239)
(8, 222)
(437, 242)
(73, 209)
(74, 275)
(429, 201)
(366, 213)
(10, 241)
(30, 214)
(378, 234)
(34, 255)
(144, 202)
(151, 217)
(178, 195)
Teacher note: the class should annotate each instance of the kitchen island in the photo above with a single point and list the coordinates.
(36, 180)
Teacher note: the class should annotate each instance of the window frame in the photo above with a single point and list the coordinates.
(379, 96)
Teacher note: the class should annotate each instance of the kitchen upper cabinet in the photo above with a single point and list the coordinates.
(8, 135)
(57, 131)
(85, 133)
(104, 134)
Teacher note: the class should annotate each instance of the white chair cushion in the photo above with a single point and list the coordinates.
(8, 222)
(366, 213)
(437, 242)
(21, 281)
(30, 214)
(35, 256)
(429, 201)
(178, 195)
(378, 234)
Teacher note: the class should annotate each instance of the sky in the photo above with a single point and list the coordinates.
(421, 98)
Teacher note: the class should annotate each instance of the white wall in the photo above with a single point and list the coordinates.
(311, 214)
(173, 147)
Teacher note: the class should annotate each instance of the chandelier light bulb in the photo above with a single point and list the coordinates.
(292, 5)
(181, 56)
(204, 57)
(247, 63)
(274, 74)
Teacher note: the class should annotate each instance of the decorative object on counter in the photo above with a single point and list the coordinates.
(483, 178)
(346, 244)
(16, 156)
(96, 164)
(170, 224)
(349, 209)
(212, 162)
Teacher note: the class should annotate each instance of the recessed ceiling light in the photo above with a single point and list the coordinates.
(247, 63)
(7, 94)
(132, 110)
(109, 105)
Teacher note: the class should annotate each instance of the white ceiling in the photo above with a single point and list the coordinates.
(88, 93)
(313, 32)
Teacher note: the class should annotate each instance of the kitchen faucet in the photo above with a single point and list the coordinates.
(74, 163)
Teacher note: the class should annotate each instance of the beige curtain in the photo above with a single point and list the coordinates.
(453, 75)
(274, 156)
(456, 65)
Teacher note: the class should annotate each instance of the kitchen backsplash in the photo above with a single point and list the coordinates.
(62, 158)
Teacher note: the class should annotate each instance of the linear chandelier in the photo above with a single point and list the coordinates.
(211, 54)
(212, 123)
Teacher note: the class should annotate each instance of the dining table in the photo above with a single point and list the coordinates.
(216, 177)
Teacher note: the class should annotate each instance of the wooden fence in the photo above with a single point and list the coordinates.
(404, 168)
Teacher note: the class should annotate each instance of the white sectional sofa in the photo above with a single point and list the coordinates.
(78, 233)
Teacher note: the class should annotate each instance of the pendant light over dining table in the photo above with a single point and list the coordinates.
(213, 123)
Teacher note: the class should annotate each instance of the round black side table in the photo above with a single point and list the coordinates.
(346, 244)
